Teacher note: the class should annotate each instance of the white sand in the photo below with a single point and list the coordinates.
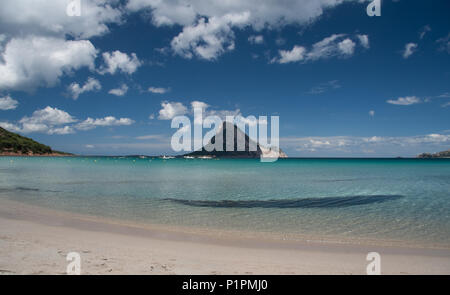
(34, 240)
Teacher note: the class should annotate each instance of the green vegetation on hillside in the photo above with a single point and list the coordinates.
(15, 143)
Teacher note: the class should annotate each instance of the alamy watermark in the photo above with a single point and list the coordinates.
(74, 266)
(374, 8)
(374, 267)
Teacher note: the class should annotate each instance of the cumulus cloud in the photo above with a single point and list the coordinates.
(364, 40)
(48, 17)
(405, 101)
(40, 43)
(61, 130)
(49, 116)
(208, 27)
(32, 61)
(55, 121)
(295, 54)
(7, 103)
(171, 109)
(10, 126)
(336, 45)
(410, 48)
(158, 90)
(91, 123)
(208, 39)
(119, 61)
(47, 120)
(76, 89)
(121, 91)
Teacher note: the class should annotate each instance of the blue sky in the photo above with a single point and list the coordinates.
(343, 83)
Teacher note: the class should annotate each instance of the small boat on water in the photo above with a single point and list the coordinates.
(166, 157)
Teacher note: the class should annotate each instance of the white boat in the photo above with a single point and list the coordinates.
(166, 157)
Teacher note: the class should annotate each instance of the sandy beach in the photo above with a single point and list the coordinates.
(36, 240)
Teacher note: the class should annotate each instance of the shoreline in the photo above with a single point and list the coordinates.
(52, 234)
(8, 154)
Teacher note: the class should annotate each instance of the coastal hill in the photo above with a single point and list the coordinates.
(444, 154)
(12, 144)
(207, 151)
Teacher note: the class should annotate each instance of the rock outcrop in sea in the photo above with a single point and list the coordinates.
(230, 149)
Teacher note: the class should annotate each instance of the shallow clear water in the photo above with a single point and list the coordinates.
(398, 199)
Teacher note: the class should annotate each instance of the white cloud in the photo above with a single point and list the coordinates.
(444, 43)
(49, 116)
(296, 54)
(89, 146)
(47, 120)
(208, 26)
(7, 103)
(121, 91)
(91, 84)
(34, 46)
(256, 39)
(372, 113)
(29, 62)
(410, 48)
(10, 126)
(119, 61)
(49, 17)
(91, 123)
(336, 45)
(158, 90)
(405, 101)
(424, 31)
(208, 39)
(324, 87)
(171, 109)
(364, 40)
(50, 120)
(347, 47)
(61, 130)
(263, 12)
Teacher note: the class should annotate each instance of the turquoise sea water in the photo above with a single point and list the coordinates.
(388, 199)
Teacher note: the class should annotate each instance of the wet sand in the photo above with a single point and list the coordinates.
(36, 240)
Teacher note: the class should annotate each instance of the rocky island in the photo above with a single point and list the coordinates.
(260, 151)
